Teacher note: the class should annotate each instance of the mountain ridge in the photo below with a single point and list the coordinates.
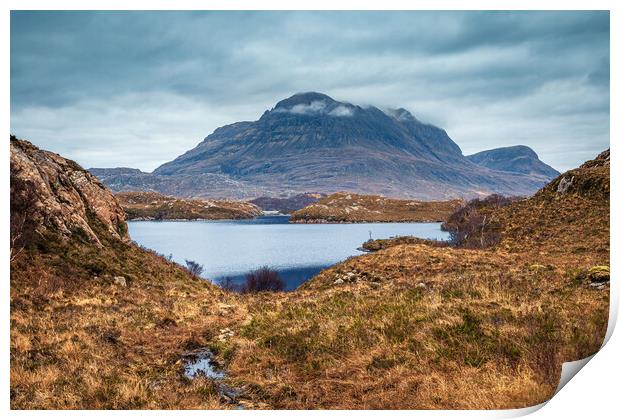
(311, 142)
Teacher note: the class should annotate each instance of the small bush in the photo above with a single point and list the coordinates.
(194, 268)
(472, 225)
(262, 280)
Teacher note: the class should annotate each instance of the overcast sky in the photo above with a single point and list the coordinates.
(137, 89)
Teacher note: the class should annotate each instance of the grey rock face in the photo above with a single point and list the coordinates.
(564, 185)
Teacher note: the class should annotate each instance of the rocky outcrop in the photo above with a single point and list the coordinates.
(64, 199)
(590, 180)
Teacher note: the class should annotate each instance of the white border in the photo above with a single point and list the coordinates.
(593, 395)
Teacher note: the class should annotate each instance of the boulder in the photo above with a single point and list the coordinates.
(599, 274)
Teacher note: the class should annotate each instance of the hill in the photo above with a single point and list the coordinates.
(355, 208)
(155, 206)
(518, 159)
(96, 321)
(287, 205)
(423, 326)
(187, 186)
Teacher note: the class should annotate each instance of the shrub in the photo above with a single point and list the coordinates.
(194, 268)
(472, 225)
(261, 280)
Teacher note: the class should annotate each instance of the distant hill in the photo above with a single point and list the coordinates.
(311, 142)
(148, 205)
(518, 159)
(287, 205)
(345, 207)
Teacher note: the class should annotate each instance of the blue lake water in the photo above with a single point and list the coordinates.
(232, 248)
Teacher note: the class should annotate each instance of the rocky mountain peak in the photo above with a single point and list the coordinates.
(401, 114)
(304, 98)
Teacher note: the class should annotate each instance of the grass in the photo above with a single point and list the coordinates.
(485, 341)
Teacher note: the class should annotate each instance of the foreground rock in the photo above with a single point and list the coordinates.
(345, 207)
(55, 195)
(155, 206)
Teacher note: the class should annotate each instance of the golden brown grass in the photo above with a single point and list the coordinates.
(80, 341)
(413, 325)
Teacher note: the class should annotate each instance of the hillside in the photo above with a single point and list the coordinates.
(155, 206)
(97, 322)
(518, 159)
(450, 327)
(311, 142)
(187, 186)
(355, 208)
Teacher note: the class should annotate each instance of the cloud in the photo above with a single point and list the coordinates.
(318, 107)
(314, 107)
(138, 88)
(341, 111)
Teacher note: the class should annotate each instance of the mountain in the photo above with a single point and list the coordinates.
(518, 159)
(311, 142)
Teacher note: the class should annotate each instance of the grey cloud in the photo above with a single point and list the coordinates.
(138, 88)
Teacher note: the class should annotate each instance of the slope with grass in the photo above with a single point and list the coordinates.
(149, 205)
(420, 326)
(346, 207)
(97, 322)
